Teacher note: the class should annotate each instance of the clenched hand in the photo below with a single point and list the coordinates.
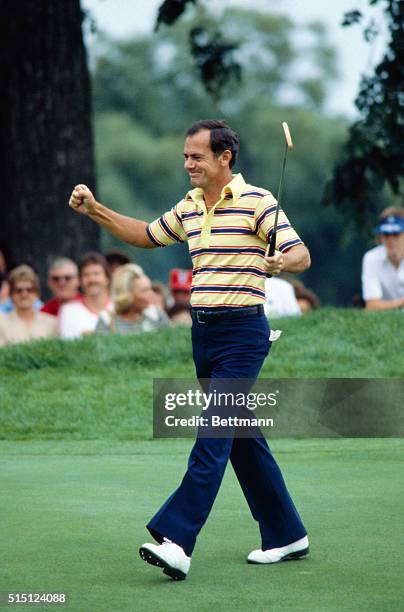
(82, 200)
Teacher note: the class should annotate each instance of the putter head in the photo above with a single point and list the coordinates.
(288, 137)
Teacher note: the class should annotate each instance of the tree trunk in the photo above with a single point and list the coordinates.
(45, 131)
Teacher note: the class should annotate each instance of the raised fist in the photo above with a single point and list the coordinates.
(82, 200)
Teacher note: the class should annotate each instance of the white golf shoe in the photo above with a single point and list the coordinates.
(169, 556)
(295, 550)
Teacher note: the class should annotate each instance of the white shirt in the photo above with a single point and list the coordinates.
(280, 298)
(75, 319)
(381, 280)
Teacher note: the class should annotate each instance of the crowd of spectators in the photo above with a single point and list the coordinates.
(103, 294)
(109, 294)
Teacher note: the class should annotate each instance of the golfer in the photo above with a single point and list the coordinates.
(227, 224)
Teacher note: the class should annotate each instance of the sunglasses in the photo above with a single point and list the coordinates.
(62, 277)
(24, 289)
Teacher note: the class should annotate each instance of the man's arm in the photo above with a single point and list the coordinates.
(295, 259)
(125, 228)
(378, 304)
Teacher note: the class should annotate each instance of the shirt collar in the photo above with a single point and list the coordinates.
(235, 187)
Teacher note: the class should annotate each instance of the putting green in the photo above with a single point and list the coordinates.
(73, 516)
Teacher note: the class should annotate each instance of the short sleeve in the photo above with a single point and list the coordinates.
(286, 237)
(167, 229)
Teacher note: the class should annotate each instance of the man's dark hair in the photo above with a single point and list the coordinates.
(94, 258)
(222, 137)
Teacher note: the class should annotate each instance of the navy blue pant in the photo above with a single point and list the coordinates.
(223, 350)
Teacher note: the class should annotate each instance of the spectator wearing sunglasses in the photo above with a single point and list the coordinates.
(25, 322)
(6, 303)
(63, 281)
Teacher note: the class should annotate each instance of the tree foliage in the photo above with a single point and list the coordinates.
(214, 59)
(221, 56)
(371, 164)
(213, 56)
(170, 10)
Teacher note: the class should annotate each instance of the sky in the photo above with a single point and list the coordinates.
(123, 18)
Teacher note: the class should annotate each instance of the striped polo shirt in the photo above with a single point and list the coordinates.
(227, 244)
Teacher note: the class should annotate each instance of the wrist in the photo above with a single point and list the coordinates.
(93, 211)
(284, 262)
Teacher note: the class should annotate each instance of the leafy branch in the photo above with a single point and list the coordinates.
(371, 162)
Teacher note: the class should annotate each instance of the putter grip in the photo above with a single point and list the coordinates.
(271, 249)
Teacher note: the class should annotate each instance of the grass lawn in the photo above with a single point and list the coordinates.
(101, 387)
(73, 516)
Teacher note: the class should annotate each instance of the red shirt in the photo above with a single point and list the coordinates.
(53, 306)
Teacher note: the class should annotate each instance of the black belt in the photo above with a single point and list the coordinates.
(210, 316)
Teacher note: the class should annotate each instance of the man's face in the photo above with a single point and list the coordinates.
(394, 244)
(64, 282)
(24, 295)
(202, 165)
(94, 282)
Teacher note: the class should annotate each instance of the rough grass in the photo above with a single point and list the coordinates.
(101, 387)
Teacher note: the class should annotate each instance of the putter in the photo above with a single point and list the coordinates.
(289, 146)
